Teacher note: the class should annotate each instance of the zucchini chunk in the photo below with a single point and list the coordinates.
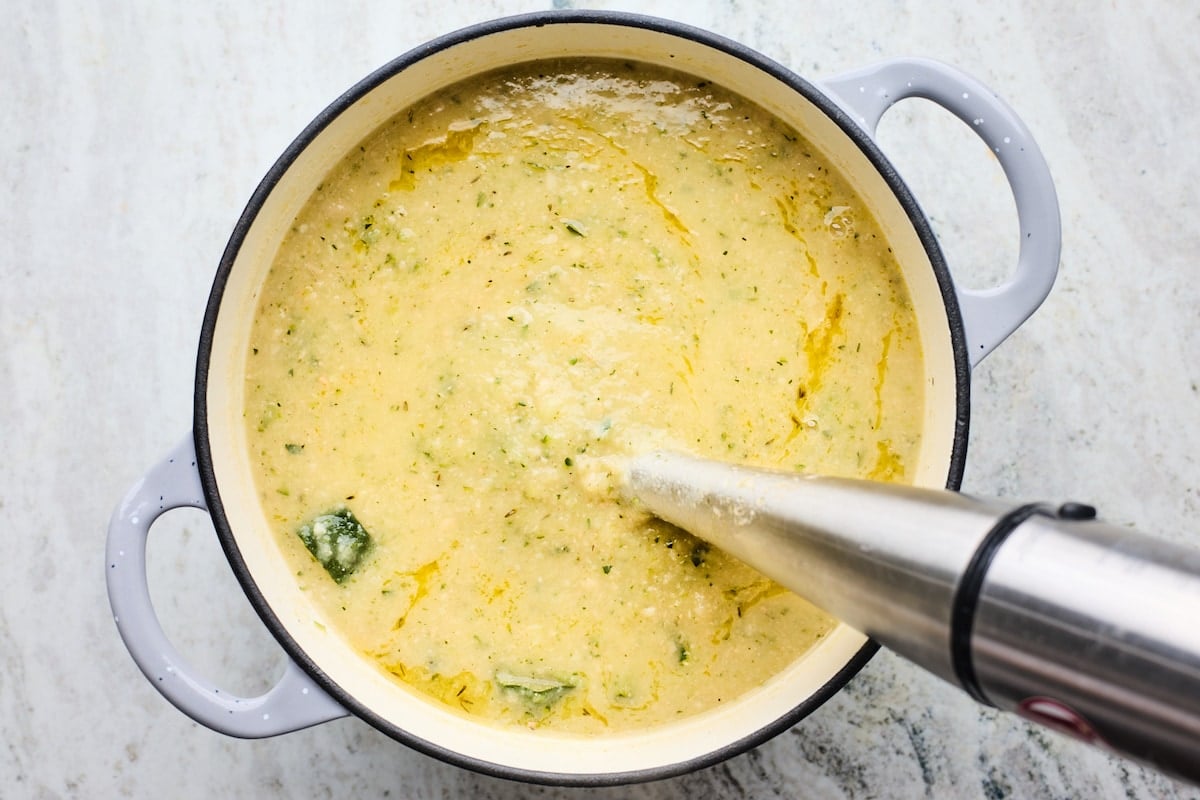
(337, 540)
(538, 693)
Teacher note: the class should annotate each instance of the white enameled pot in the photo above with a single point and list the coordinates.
(210, 469)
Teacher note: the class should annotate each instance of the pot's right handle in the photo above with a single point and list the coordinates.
(295, 702)
(989, 315)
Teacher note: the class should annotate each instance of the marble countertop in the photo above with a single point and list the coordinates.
(133, 135)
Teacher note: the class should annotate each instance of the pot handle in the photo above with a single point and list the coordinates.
(295, 702)
(989, 315)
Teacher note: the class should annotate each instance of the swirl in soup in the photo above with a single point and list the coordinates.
(505, 291)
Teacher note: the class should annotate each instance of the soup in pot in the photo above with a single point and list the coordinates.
(504, 292)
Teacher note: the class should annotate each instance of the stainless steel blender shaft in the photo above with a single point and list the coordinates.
(1088, 628)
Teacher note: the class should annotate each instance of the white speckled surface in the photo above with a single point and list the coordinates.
(132, 136)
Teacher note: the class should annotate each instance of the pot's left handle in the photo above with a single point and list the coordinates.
(990, 315)
(295, 702)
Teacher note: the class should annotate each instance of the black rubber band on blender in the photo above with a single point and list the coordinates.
(966, 596)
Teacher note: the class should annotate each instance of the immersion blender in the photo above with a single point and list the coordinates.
(1089, 628)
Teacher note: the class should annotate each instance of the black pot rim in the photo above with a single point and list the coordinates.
(204, 458)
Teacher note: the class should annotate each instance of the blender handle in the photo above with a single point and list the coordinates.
(989, 315)
(1090, 629)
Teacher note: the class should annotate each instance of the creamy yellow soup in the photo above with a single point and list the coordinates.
(504, 292)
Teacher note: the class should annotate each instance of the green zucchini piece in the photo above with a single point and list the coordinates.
(337, 540)
(537, 693)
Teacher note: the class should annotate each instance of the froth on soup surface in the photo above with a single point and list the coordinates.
(503, 292)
